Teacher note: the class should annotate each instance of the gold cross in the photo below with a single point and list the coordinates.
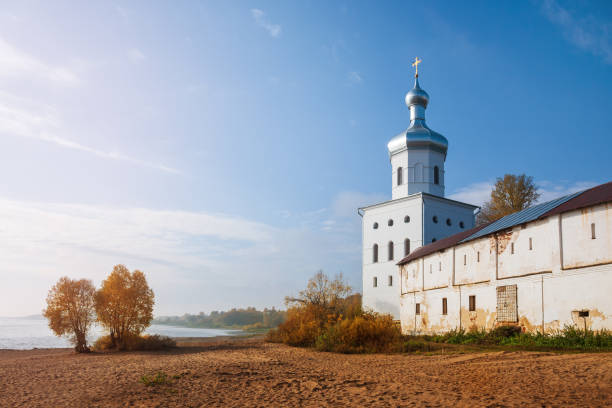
(415, 64)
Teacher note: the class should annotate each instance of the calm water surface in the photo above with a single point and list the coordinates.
(33, 332)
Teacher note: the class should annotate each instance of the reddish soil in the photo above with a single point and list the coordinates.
(251, 373)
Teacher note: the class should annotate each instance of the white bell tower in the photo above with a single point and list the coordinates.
(417, 154)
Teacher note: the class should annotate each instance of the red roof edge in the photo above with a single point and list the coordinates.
(597, 195)
(440, 245)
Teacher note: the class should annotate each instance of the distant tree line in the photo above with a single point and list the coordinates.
(246, 319)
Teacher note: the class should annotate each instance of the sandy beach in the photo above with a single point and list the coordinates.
(251, 373)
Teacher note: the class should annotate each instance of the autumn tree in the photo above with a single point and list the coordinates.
(510, 194)
(322, 294)
(71, 310)
(124, 304)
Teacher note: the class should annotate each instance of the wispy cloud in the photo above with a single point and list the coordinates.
(260, 18)
(586, 32)
(19, 117)
(135, 55)
(16, 63)
(220, 259)
(479, 193)
(354, 77)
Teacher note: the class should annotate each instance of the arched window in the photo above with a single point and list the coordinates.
(407, 246)
(436, 175)
(407, 219)
(375, 253)
(400, 174)
(375, 226)
(390, 250)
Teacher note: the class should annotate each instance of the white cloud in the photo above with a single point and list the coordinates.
(586, 32)
(479, 193)
(15, 63)
(193, 260)
(135, 55)
(354, 77)
(476, 193)
(260, 18)
(19, 117)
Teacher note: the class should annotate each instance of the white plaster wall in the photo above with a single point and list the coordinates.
(437, 270)
(579, 249)
(527, 261)
(468, 268)
(443, 210)
(384, 298)
(418, 172)
(547, 295)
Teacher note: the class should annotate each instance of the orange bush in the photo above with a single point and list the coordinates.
(367, 333)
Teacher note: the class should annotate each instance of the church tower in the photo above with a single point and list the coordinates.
(418, 153)
(417, 214)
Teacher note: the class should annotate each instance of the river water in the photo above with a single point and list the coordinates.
(32, 332)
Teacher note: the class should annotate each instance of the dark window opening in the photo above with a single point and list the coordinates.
(400, 174)
(530, 244)
(444, 306)
(436, 175)
(375, 253)
(461, 224)
(417, 308)
(406, 219)
(390, 250)
(390, 223)
(512, 247)
(375, 282)
(406, 247)
(433, 240)
(390, 280)
(478, 256)
(448, 222)
(472, 303)
(465, 259)
(375, 226)
(593, 231)
(435, 219)
(583, 313)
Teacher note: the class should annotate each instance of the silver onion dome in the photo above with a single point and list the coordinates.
(417, 135)
(417, 96)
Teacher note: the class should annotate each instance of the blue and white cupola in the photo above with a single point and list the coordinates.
(418, 153)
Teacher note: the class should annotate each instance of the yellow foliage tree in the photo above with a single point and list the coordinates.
(511, 193)
(71, 311)
(124, 304)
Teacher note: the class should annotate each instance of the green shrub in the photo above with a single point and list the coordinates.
(160, 378)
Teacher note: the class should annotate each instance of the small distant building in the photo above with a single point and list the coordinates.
(417, 214)
(541, 268)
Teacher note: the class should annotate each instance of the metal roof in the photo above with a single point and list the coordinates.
(593, 196)
(581, 199)
(439, 245)
(521, 217)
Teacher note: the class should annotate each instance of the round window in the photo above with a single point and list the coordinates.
(406, 219)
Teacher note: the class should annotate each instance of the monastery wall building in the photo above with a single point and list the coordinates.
(417, 213)
(541, 268)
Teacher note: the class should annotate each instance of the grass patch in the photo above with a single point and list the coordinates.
(159, 378)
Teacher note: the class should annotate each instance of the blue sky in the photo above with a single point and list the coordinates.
(223, 147)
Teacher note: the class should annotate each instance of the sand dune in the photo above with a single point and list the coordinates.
(251, 373)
